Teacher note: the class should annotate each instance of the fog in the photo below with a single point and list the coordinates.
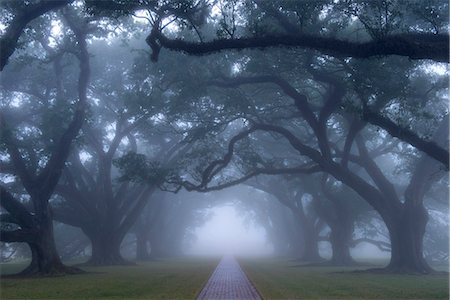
(143, 131)
(227, 233)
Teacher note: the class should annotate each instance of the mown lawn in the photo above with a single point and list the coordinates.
(183, 279)
(167, 279)
(283, 279)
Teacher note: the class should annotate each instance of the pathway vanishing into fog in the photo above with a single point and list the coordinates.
(228, 282)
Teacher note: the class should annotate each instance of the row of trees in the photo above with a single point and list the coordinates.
(332, 130)
(405, 217)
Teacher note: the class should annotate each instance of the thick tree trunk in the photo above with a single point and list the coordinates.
(406, 230)
(293, 232)
(106, 253)
(105, 249)
(407, 226)
(341, 235)
(311, 246)
(340, 239)
(41, 186)
(44, 256)
(311, 252)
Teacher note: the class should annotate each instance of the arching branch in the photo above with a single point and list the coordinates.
(412, 45)
(369, 116)
(19, 235)
(51, 173)
(406, 135)
(16, 27)
(304, 169)
(16, 209)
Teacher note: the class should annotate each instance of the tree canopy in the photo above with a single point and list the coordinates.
(336, 110)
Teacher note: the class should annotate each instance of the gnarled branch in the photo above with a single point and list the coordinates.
(32, 11)
(412, 45)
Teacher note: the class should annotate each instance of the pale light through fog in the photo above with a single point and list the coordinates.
(226, 234)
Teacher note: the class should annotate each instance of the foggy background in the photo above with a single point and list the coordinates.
(127, 137)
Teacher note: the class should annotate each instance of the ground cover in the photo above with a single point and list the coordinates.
(287, 279)
(165, 279)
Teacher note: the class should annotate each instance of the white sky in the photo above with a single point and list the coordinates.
(225, 234)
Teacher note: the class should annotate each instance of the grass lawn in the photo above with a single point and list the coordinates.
(283, 279)
(167, 279)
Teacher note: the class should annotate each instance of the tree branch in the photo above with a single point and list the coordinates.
(412, 45)
(355, 127)
(305, 169)
(19, 235)
(429, 147)
(8, 218)
(72, 218)
(49, 177)
(17, 210)
(380, 180)
(8, 42)
(371, 194)
(133, 214)
(17, 160)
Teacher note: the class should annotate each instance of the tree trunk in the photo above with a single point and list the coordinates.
(293, 235)
(311, 252)
(44, 256)
(406, 230)
(142, 252)
(311, 245)
(105, 249)
(340, 239)
(341, 235)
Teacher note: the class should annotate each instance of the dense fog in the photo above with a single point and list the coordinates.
(227, 233)
(146, 130)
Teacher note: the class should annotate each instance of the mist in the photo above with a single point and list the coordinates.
(280, 135)
(227, 234)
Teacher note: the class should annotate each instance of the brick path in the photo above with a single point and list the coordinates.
(228, 282)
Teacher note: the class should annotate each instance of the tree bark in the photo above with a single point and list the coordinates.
(45, 259)
(105, 248)
(412, 45)
(429, 147)
(406, 230)
(311, 250)
(340, 239)
(310, 242)
(340, 220)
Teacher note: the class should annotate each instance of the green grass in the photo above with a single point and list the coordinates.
(282, 279)
(183, 279)
(167, 279)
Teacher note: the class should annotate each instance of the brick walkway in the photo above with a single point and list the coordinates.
(228, 282)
